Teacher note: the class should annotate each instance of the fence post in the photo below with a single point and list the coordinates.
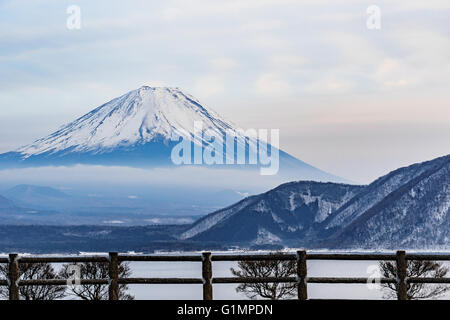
(302, 289)
(402, 288)
(207, 276)
(113, 289)
(13, 277)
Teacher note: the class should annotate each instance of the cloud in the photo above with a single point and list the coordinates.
(287, 62)
(95, 175)
(222, 64)
(265, 25)
(272, 85)
(171, 13)
(199, 8)
(279, 69)
(238, 55)
(215, 82)
(209, 85)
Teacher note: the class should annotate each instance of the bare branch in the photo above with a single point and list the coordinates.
(415, 269)
(264, 269)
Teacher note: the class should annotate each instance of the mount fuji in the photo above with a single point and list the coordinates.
(135, 130)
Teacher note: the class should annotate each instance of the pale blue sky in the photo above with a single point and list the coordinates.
(349, 100)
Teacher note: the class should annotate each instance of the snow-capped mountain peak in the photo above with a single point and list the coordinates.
(137, 117)
(141, 129)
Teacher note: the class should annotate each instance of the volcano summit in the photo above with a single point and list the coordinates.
(136, 130)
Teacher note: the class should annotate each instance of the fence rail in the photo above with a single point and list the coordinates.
(207, 280)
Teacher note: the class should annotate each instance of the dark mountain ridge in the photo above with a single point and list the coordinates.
(408, 207)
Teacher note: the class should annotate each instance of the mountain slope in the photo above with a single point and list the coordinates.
(290, 211)
(23, 191)
(416, 215)
(408, 207)
(6, 203)
(135, 130)
(138, 117)
(378, 190)
(37, 197)
(9, 209)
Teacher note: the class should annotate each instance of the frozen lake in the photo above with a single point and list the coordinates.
(316, 268)
(228, 291)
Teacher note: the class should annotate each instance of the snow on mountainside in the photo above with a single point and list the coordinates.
(211, 220)
(291, 210)
(378, 190)
(416, 215)
(135, 130)
(408, 207)
(138, 117)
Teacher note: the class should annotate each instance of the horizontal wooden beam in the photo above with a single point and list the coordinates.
(61, 282)
(309, 256)
(230, 257)
(432, 257)
(349, 256)
(254, 257)
(323, 280)
(428, 280)
(225, 280)
(160, 281)
(332, 280)
(63, 259)
(165, 258)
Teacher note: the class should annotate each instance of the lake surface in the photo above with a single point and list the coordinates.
(228, 291)
(316, 268)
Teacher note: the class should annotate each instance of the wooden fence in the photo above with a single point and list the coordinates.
(207, 280)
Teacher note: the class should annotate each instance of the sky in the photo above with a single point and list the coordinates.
(348, 98)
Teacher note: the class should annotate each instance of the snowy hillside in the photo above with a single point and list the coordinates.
(378, 190)
(290, 211)
(416, 215)
(409, 207)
